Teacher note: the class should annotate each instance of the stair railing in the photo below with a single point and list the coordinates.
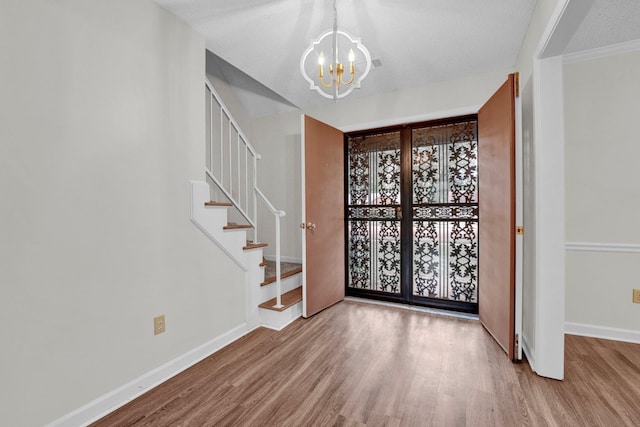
(232, 165)
(277, 214)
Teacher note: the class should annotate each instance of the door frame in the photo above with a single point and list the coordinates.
(406, 284)
(545, 347)
(519, 255)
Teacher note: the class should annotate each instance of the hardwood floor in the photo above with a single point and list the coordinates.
(358, 364)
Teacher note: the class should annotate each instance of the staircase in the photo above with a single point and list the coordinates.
(272, 300)
(260, 275)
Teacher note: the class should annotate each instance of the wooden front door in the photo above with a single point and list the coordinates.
(496, 176)
(322, 216)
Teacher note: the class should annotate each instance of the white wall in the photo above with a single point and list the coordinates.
(278, 142)
(438, 100)
(101, 127)
(278, 137)
(539, 21)
(231, 101)
(601, 165)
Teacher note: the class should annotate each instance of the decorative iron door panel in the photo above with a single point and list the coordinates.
(445, 213)
(420, 245)
(373, 203)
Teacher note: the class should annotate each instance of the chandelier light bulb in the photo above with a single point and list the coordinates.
(321, 59)
(352, 55)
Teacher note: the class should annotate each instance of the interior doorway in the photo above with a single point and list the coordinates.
(411, 213)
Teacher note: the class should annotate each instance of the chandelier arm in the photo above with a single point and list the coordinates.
(321, 79)
(353, 74)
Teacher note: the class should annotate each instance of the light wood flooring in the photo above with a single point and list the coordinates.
(358, 364)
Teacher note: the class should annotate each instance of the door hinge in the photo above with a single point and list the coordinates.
(520, 230)
(517, 84)
(516, 345)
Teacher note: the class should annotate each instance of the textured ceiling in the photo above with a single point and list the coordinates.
(418, 41)
(608, 22)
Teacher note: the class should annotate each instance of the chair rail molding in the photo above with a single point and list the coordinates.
(628, 248)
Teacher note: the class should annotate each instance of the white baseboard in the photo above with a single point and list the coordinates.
(594, 331)
(284, 259)
(288, 322)
(111, 401)
(531, 358)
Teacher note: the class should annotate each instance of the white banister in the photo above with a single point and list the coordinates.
(255, 196)
(221, 138)
(240, 199)
(278, 284)
(277, 214)
(246, 177)
(238, 169)
(229, 151)
(211, 155)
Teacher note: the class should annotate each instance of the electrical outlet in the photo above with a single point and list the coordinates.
(636, 296)
(158, 324)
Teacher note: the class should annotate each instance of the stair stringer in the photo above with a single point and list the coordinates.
(253, 277)
(211, 220)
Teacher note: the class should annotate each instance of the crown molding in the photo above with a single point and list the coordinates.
(602, 52)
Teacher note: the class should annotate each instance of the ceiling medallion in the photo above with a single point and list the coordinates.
(334, 84)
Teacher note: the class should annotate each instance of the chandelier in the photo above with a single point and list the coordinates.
(332, 83)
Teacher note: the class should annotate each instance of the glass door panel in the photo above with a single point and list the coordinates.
(428, 254)
(445, 213)
(373, 201)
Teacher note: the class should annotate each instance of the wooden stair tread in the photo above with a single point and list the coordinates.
(250, 246)
(287, 269)
(212, 203)
(236, 226)
(263, 263)
(282, 276)
(288, 299)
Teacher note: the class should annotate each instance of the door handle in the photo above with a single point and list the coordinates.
(308, 226)
(398, 212)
